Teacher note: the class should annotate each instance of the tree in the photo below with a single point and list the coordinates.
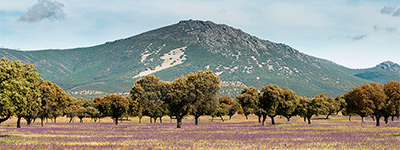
(180, 99)
(270, 101)
(340, 103)
(59, 105)
(288, 104)
(92, 113)
(367, 99)
(81, 113)
(18, 89)
(323, 105)
(249, 100)
(82, 108)
(133, 107)
(103, 106)
(380, 103)
(149, 93)
(302, 108)
(392, 91)
(46, 99)
(54, 101)
(357, 102)
(118, 106)
(75, 108)
(206, 88)
(260, 113)
(33, 106)
(309, 107)
(230, 105)
(219, 112)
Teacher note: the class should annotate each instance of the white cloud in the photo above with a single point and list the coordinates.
(44, 9)
(391, 10)
(357, 37)
(388, 10)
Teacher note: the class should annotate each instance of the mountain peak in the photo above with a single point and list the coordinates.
(220, 36)
(390, 66)
(196, 22)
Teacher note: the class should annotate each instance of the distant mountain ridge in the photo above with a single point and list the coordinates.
(381, 73)
(390, 66)
(238, 58)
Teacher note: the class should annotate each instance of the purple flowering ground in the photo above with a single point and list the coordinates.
(238, 133)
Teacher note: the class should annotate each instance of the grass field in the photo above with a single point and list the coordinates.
(238, 133)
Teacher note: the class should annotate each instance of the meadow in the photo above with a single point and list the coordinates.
(237, 133)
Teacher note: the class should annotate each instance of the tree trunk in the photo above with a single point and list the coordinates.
(222, 118)
(392, 118)
(350, 118)
(246, 117)
(28, 121)
(80, 120)
(116, 121)
(288, 118)
(259, 119)
(263, 120)
(373, 119)
(327, 116)
(309, 120)
(151, 120)
(377, 120)
(386, 118)
(140, 119)
(230, 117)
(362, 119)
(19, 122)
(272, 119)
(55, 119)
(42, 121)
(305, 119)
(212, 119)
(160, 119)
(34, 120)
(196, 120)
(178, 122)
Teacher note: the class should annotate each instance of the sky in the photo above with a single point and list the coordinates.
(352, 33)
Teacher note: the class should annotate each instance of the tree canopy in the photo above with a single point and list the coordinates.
(149, 93)
(249, 99)
(367, 99)
(206, 88)
(19, 90)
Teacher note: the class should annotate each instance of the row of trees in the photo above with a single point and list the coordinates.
(24, 94)
(374, 100)
(195, 94)
(272, 101)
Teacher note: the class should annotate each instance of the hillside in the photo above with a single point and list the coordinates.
(188, 46)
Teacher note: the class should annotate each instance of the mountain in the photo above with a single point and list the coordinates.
(382, 73)
(238, 58)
